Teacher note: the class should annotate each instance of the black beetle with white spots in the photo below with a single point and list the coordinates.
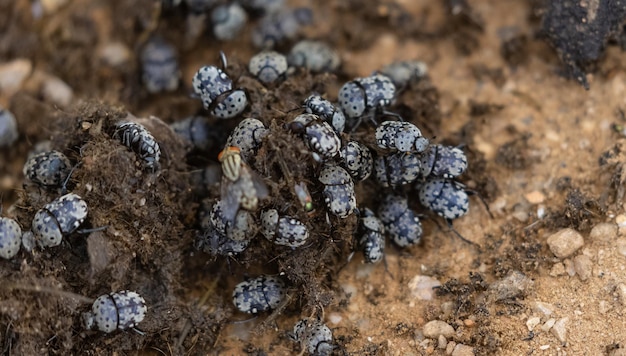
(250, 200)
(259, 294)
(116, 311)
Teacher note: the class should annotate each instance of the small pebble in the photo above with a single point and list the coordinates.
(621, 246)
(114, 54)
(350, 290)
(583, 266)
(544, 347)
(532, 322)
(450, 347)
(421, 287)
(520, 212)
(548, 324)
(434, 328)
(604, 307)
(543, 308)
(447, 308)
(13, 73)
(463, 350)
(469, 323)
(603, 232)
(620, 220)
(541, 211)
(51, 6)
(569, 267)
(565, 242)
(56, 91)
(335, 318)
(535, 197)
(559, 330)
(442, 342)
(621, 292)
(515, 284)
(558, 269)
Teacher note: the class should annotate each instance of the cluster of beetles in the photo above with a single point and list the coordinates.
(402, 157)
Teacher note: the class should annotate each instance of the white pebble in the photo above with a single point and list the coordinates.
(543, 308)
(620, 220)
(447, 308)
(51, 6)
(583, 266)
(621, 246)
(364, 270)
(13, 73)
(56, 91)
(559, 330)
(532, 322)
(421, 287)
(442, 342)
(541, 211)
(558, 269)
(335, 318)
(349, 289)
(565, 242)
(569, 267)
(515, 284)
(450, 347)
(604, 307)
(603, 232)
(548, 324)
(114, 54)
(463, 350)
(434, 328)
(544, 347)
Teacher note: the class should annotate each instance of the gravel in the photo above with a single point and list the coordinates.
(603, 232)
(463, 350)
(583, 267)
(13, 74)
(421, 287)
(569, 267)
(548, 325)
(532, 322)
(56, 91)
(558, 269)
(621, 246)
(559, 330)
(543, 308)
(450, 347)
(434, 328)
(442, 342)
(565, 242)
(514, 285)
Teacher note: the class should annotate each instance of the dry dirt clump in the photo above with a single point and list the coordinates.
(141, 248)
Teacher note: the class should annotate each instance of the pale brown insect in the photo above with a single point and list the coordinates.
(240, 187)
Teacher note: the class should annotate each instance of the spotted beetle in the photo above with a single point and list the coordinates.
(283, 230)
(259, 294)
(401, 223)
(116, 311)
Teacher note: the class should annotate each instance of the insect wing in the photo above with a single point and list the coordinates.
(261, 188)
(231, 194)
